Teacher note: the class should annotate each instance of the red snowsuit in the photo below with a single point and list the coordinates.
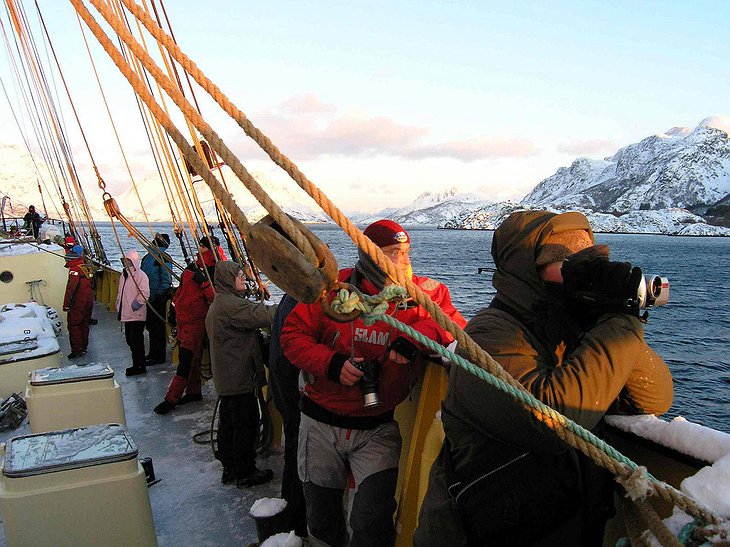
(191, 303)
(79, 303)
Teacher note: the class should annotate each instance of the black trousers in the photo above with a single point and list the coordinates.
(156, 328)
(284, 384)
(238, 427)
(134, 334)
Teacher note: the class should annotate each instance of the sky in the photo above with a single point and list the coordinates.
(379, 101)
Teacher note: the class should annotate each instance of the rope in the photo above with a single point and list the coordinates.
(601, 452)
(562, 427)
(208, 133)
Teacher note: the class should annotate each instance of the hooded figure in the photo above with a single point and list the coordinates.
(132, 295)
(78, 301)
(533, 487)
(157, 264)
(191, 301)
(232, 325)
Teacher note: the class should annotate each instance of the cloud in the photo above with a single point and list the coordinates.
(305, 128)
(587, 147)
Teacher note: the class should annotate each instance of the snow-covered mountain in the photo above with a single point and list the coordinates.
(156, 206)
(430, 208)
(662, 221)
(683, 167)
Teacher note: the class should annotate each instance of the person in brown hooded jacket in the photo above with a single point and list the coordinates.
(501, 477)
(237, 366)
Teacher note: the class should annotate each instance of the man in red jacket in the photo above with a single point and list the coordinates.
(338, 433)
(78, 301)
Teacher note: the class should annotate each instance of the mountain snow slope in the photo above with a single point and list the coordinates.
(680, 168)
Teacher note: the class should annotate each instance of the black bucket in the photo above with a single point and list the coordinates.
(271, 525)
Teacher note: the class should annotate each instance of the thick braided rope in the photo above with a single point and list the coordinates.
(474, 351)
(188, 151)
(205, 129)
(607, 456)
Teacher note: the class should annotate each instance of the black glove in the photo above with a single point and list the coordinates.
(403, 347)
(199, 276)
(595, 285)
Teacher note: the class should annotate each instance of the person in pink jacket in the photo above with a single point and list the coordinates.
(134, 290)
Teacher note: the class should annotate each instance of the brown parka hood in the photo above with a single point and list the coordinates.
(225, 277)
(515, 248)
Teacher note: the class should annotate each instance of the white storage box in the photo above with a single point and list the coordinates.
(73, 396)
(75, 487)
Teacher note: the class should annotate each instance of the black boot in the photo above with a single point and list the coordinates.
(259, 476)
(134, 371)
(190, 398)
(228, 475)
(164, 407)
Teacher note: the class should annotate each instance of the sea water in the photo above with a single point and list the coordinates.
(691, 333)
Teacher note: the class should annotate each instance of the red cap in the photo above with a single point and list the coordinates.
(386, 232)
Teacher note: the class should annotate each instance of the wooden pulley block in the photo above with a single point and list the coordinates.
(286, 266)
(112, 209)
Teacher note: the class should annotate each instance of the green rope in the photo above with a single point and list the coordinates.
(346, 302)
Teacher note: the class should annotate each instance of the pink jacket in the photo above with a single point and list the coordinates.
(135, 287)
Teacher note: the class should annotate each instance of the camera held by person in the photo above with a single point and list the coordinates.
(596, 285)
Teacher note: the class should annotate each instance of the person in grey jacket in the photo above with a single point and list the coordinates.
(237, 367)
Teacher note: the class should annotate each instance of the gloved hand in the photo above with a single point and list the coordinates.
(405, 348)
(136, 305)
(596, 285)
(199, 276)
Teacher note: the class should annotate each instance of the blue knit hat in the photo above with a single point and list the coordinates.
(74, 252)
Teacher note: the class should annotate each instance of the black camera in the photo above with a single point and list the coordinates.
(369, 382)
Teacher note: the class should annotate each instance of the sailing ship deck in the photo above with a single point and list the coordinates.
(190, 505)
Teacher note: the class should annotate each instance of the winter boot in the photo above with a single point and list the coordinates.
(173, 395)
(190, 398)
(134, 371)
(259, 476)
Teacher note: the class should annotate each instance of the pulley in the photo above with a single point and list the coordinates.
(286, 266)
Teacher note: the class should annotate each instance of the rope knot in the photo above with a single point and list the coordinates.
(636, 483)
(372, 307)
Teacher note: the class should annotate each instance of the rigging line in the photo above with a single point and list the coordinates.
(41, 89)
(482, 357)
(98, 248)
(27, 145)
(212, 137)
(122, 16)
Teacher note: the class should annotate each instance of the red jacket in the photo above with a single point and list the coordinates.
(78, 288)
(310, 340)
(192, 300)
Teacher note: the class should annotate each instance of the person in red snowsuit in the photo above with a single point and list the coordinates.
(78, 301)
(191, 300)
(338, 434)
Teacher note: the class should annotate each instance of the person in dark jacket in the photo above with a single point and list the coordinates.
(32, 221)
(284, 385)
(157, 264)
(78, 301)
(338, 433)
(582, 357)
(237, 365)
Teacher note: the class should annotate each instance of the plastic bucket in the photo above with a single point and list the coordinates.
(271, 525)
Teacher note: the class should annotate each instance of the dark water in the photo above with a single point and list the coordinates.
(691, 333)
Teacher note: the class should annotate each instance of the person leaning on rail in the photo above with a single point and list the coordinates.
(501, 477)
(339, 435)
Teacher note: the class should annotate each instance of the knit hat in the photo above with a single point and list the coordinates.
(561, 245)
(386, 232)
(75, 252)
(162, 240)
